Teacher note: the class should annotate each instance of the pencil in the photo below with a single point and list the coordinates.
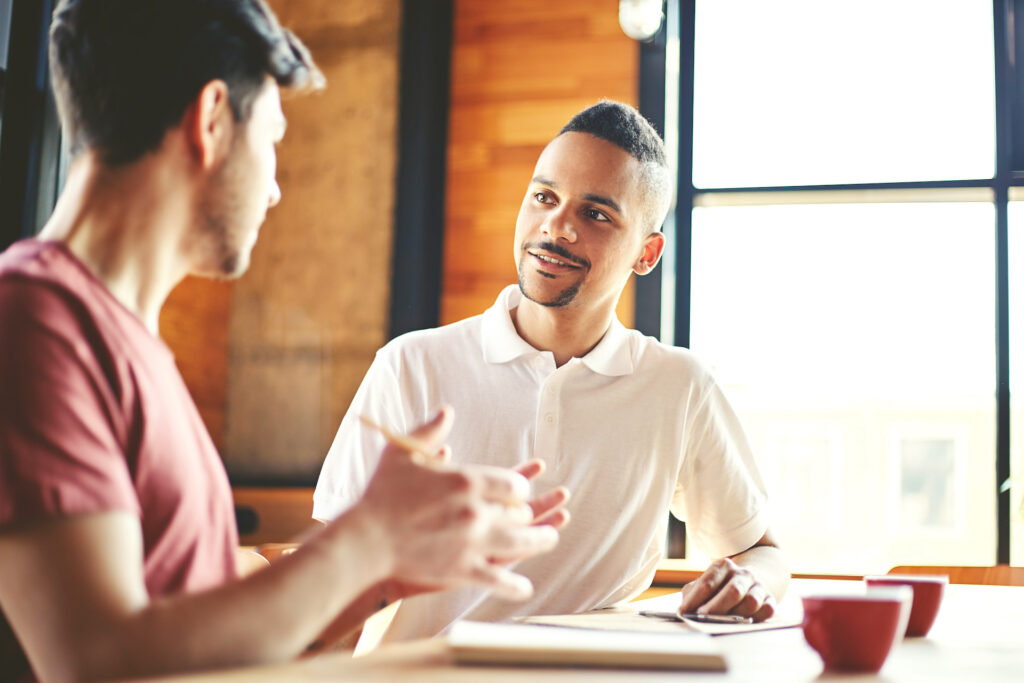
(410, 444)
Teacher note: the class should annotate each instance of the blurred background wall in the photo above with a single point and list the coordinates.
(274, 358)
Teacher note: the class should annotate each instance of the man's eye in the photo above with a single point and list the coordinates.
(542, 197)
(596, 215)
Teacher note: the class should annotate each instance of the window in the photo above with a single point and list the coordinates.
(841, 264)
(31, 162)
(927, 495)
(812, 92)
(5, 41)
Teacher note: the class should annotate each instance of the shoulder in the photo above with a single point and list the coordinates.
(32, 306)
(38, 284)
(669, 361)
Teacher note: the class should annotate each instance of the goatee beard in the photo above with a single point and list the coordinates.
(564, 298)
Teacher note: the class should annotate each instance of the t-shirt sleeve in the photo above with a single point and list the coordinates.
(61, 421)
(356, 449)
(719, 493)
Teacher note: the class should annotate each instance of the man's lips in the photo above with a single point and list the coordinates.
(546, 258)
(550, 255)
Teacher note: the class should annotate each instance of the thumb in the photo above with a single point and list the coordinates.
(432, 434)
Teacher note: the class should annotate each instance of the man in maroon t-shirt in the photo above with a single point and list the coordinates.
(117, 531)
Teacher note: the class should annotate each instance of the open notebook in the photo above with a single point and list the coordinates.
(519, 644)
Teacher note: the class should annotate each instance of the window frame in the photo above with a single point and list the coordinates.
(668, 317)
(32, 161)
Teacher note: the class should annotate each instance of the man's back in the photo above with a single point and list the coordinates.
(94, 418)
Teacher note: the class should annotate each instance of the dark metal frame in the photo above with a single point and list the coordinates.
(1009, 160)
(1009, 51)
(647, 310)
(30, 163)
(417, 252)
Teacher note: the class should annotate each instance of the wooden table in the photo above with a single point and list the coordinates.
(978, 636)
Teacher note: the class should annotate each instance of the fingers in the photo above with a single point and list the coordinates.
(504, 582)
(433, 433)
(500, 485)
(548, 503)
(728, 588)
(766, 610)
(730, 594)
(702, 589)
(447, 525)
(531, 469)
(510, 541)
(555, 519)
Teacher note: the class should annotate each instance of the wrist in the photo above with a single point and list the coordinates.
(371, 542)
(361, 537)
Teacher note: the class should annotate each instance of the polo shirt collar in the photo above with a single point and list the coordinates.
(614, 355)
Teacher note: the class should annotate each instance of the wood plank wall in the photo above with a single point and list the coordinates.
(520, 70)
(274, 358)
(194, 324)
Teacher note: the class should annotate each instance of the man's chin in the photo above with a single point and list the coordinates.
(557, 299)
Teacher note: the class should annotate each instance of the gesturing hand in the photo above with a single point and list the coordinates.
(445, 526)
(728, 588)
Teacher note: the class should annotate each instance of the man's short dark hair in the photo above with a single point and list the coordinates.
(124, 71)
(623, 126)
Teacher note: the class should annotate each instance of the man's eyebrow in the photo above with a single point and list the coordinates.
(590, 197)
(601, 199)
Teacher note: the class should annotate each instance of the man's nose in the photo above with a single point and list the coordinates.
(560, 225)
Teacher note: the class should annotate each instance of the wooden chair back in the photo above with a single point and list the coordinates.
(996, 575)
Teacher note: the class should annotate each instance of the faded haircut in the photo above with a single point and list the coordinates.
(624, 127)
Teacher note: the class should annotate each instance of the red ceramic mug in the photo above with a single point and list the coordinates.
(928, 590)
(855, 632)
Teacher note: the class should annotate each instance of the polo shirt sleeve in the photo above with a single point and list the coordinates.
(61, 426)
(719, 492)
(356, 449)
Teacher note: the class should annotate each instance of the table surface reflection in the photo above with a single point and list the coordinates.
(977, 636)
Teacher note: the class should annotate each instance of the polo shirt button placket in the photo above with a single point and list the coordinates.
(547, 411)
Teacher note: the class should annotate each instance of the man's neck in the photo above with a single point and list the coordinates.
(567, 333)
(126, 225)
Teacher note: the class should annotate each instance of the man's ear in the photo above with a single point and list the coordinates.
(654, 245)
(209, 124)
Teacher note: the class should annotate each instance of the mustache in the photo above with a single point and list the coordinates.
(558, 250)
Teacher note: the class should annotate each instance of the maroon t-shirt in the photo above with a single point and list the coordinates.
(94, 417)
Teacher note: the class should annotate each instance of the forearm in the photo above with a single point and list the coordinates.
(270, 616)
(344, 631)
(769, 565)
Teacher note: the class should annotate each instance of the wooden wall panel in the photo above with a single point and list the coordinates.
(311, 312)
(520, 70)
(194, 324)
(274, 358)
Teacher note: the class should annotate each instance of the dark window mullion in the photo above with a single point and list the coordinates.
(647, 292)
(683, 213)
(1009, 94)
(28, 131)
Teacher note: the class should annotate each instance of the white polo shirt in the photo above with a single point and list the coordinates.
(633, 429)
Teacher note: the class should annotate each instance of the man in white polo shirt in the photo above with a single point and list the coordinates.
(633, 427)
